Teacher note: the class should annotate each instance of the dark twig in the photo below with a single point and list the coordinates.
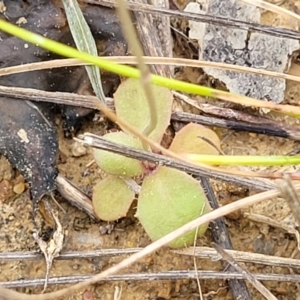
(53, 97)
(170, 275)
(272, 129)
(246, 274)
(100, 143)
(205, 18)
(256, 124)
(220, 236)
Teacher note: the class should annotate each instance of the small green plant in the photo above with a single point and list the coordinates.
(167, 198)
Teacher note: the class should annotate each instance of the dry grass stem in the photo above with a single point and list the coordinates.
(169, 275)
(58, 63)
(205, 18)
(100, 143)
(240, 256)
(31, 255)
(75, 196)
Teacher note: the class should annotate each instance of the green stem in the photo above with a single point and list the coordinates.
(127, 71)
(235, 160)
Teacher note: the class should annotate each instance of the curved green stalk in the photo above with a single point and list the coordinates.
(236, 160)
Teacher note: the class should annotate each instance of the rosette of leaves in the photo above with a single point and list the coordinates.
(168, 198)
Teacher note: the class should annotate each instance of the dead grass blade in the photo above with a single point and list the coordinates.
(148, 60)
(84, 41)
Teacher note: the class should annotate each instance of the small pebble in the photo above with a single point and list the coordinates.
(11, 217)
(19, 188)
(78, 150)
(87, 295)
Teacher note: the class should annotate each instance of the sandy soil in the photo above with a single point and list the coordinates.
(84, 234)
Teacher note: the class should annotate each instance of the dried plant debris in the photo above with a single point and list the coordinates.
(28, 138)
(52, 248)
(237, 46)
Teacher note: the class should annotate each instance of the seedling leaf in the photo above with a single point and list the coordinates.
(112, 198)
(169, 199)
(131, 105)
(116, 164)
(192, 139)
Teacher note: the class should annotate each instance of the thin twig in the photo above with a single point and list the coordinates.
(247, 257)
(263, 126)
(32, 255)
(100, 143)
(68, 62)
(272, 129)
(170, 275)
(200, 252)
(75, 196)
(205, 18)
(246, 274)
(220, 236)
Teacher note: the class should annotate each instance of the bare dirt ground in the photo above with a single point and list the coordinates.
(85, 234)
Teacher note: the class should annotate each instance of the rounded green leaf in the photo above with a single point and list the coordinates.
(117, 164)
(169, 199)
(112, 198)
(131, 105)
(188, 140)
